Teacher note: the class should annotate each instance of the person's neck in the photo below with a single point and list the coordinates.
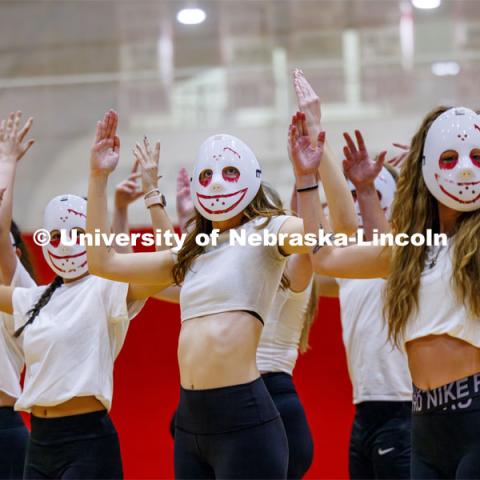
(71, 280)
(448, 218)
(230, 223)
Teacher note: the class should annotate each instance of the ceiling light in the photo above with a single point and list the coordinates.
(443, 69)
(191, 16)
(426, 4)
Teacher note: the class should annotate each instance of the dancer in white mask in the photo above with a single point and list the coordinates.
(380, 437)
(431, 303)
(227, 425)
(70, 333)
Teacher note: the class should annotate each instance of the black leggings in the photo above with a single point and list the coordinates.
(380, 443)
(446, 431)
(75, 447)
(230, 432)
(300, 442)
(13, 444)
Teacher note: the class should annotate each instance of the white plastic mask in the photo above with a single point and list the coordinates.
(451, 159)
(385, 185)
(65, 212)
(226, 177)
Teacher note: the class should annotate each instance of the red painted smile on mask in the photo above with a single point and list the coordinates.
(201, 197)
(459, 184)
(54, 257)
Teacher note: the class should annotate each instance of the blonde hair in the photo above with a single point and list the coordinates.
(415, 210)
(263, 205)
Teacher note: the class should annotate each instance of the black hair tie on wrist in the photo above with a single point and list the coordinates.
(307, 189)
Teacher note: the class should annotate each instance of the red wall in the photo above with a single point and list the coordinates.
(146, 389)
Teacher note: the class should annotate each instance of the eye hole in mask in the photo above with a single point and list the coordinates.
(230, 174)
(78, 232)
(448, 159)
(205, 177)
(55, 239)
(475, 156)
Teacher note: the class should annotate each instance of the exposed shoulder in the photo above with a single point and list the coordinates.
(291, 224)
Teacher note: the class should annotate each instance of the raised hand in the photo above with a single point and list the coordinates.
(308, 103)
(105, 151)
(304, 156)
(12, 139)
(148, 161)
(358, 166)
(185, 208)
(127, 191)
(398, 160)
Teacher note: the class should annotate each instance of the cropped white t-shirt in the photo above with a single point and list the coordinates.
(439, 312)
(72, 344)
(229, 277)
(11, 356)
(278, 347)
(378, 371)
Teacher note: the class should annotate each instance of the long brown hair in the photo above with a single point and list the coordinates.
(415, 210)
(263, 205)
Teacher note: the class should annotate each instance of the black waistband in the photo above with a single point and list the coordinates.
(226, 409)
(9, 418)
(278, 382)
(454, 396)
(381, 411)
(49, 431)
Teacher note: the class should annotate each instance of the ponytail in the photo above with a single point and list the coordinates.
(41, 302)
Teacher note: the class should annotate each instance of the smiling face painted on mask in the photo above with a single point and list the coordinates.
(226, 178)
(451, 159)
(68, 213)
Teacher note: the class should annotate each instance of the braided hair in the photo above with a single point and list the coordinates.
(41, 302)
(19, 243)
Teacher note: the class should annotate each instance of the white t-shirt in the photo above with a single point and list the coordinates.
(72, 344)
(11, 356)
(230, 277)
(378, 371)
(278, 347)
(439, 312)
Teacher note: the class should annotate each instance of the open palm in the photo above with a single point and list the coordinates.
(358, 166)
(12, 138)
(304, 156)
(105, 151)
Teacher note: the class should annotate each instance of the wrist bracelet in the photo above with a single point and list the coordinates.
(151, 193)
(307, 189)
(158, 199)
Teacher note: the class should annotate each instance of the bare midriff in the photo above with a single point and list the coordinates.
(6, 400)
(74, 406)
(218, 350)
(437, 360)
